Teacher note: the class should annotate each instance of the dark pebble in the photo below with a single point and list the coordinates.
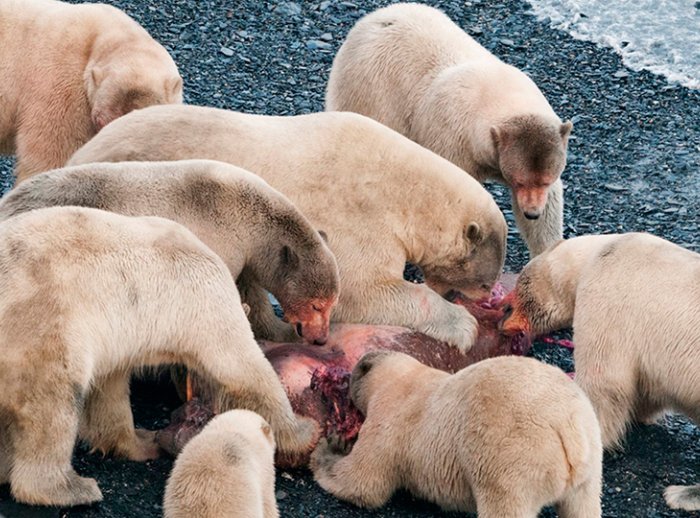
(288, 9)
(318, 45)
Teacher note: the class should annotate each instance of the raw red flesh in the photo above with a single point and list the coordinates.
(562, 342)
(316, 378)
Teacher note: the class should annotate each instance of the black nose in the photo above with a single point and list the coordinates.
(531, 215)
(507, 311)
(319, 341)
(300, 329)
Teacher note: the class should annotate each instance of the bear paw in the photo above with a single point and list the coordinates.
(64, 489)
(683, 497)
(457, 328)
(140, 447)
(323, 459)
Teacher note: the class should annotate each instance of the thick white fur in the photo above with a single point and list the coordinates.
(413, 69)
(381, 199)
(503, 437)
(88, 296)
(67, 70)
(226, 471)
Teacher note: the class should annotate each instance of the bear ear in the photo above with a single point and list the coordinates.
(267, 431)
(173, 85)
(495, 136)
(473, 233)
(290, 259)
(502, 138)
(323, 235)
(96, 76)
(365, 367)
(565, 129)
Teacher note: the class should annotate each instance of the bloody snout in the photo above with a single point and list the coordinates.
(312, 321)
(514, 320)
(532, 200)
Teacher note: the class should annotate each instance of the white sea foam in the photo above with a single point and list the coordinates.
(662, 36)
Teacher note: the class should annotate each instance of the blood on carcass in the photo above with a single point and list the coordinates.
(316, 378)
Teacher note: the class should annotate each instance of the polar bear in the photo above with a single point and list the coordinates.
(634, 303)
(89, 295)
(381, 199)
(410, 67)
(263, 239)
(68, 70)
(503, 437)
(227, 470)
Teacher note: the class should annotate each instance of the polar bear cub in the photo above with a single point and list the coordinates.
(634, 303)
(503, 437)
(89, 295)
(67, 71)
(227, 470)
(412, 68)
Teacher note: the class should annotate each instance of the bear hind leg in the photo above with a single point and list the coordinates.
(108, 424)
(613, 400)
(43, 440)
(582, 501)
(503, 505)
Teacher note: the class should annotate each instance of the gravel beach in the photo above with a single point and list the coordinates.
(634, 165)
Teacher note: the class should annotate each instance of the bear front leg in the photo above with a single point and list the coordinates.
(43, 438)
(265, 324)
(250, 382)
(364, 477)
(48, 136)
(402, 303)
(107, 423)
(541, 233)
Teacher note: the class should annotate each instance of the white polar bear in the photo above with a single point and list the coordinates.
(381, 199)
(634, 303)
(89, 295)
(66, 71)
(412, 68)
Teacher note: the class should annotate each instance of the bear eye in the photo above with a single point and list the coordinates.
(316, 308)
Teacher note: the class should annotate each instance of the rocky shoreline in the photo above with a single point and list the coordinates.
(634, 165)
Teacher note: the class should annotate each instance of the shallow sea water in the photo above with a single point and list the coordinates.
(662, 36)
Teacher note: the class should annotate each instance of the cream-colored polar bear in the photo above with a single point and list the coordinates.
(634, 303)
(226, 471)
(382, 200)
(410, 67)
(263, 239)
(503, 437)
(68, 70)
(88, 295)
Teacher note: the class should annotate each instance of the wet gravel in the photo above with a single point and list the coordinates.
(634, 165)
